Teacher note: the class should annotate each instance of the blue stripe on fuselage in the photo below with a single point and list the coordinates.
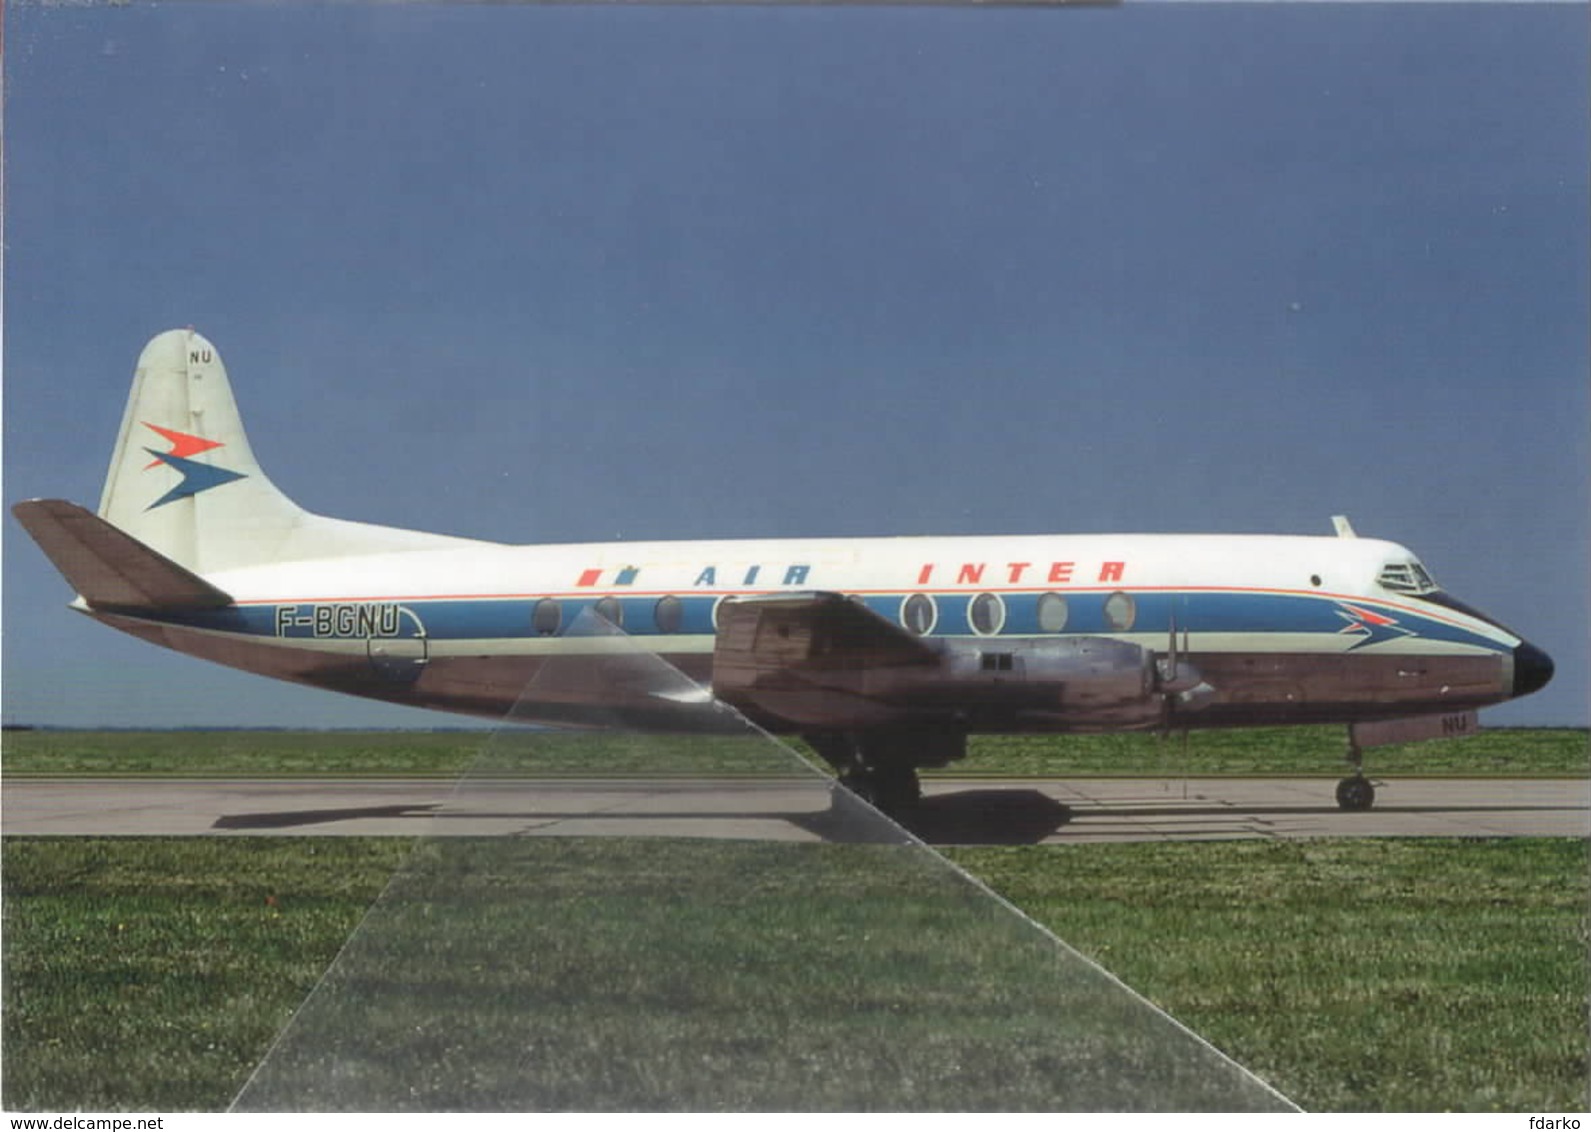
(1195, 611)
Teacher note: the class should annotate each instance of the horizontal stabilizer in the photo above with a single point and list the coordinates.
(107, 566)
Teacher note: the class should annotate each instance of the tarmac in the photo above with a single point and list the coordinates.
(953, 810)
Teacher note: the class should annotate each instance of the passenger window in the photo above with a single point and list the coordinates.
(669, 614)
(547, 618)
(1120, 611)
(986, 614)
(610, 610)
(918, 614)
(1052, 613)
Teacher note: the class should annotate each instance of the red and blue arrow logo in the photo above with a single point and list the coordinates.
(196, 477)
(1370, 627)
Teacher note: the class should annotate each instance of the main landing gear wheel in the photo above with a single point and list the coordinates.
(880, 767)
(890, 790)
(1356, 793)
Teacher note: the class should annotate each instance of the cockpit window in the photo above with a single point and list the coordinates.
(1407, 578)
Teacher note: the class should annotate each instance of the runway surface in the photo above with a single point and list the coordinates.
(953, 811)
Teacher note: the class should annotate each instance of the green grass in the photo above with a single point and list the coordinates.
(153, 974)
(641, 975)
(1402, 975)
(1510, 752)
(1406, 975)
(207, 753)
(1264, 751)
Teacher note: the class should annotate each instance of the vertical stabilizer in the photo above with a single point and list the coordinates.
(184, 481)
(182, 463)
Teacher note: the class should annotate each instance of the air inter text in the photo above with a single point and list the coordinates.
(1015, 573)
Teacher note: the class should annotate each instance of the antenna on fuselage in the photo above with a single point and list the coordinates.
(1343, 527)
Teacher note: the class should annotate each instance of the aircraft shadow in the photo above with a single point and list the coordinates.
(987, 817)
(287, 819)
(1246, 811)
(1027, 817)
(846, 822)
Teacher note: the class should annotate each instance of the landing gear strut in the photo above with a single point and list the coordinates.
(890, 790)
(881, 767)
(1356, 791)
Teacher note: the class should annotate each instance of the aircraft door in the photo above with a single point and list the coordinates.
(402, 656)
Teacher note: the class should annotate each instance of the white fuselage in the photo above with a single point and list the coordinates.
(1282, 628)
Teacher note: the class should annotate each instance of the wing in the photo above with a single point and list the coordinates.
(812, 657)
(823, 662)
(815, 631)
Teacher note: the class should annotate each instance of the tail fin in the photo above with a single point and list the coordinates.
(184, 481)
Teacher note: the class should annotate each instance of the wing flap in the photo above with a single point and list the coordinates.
(108, 567)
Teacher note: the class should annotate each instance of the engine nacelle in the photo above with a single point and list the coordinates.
(1080, 673)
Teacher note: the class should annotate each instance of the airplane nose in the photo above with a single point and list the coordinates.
(1532, 669)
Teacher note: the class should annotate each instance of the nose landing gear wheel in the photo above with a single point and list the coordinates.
(1356, 793)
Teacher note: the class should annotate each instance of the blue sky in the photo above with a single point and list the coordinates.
(583, 273)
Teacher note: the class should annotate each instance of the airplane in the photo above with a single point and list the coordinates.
(885, 654)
